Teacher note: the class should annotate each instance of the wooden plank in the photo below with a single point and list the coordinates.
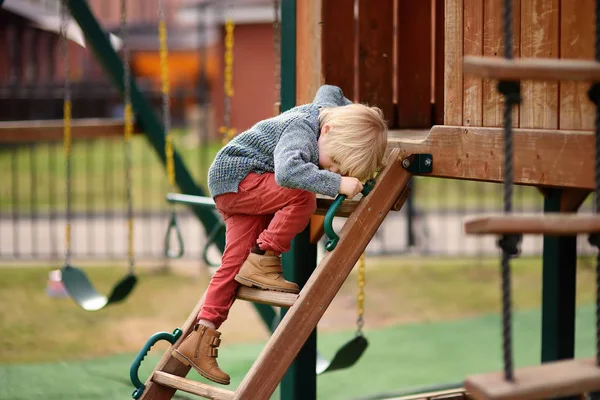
(338, 44)
(493, 46)
(532, 69)
(346, 208)
(170, 365)
(193, 387)
(297, 324)
(52, 130)
(278, 299)
(453, 79)
(413, 71)
(452, 393)
(549, 380)
(543, 224)
(576, 42)
(539, 39)
(375, 61)
(308, 50)
(439, 60)
(549, 158)
(317, 228)
(473, 46)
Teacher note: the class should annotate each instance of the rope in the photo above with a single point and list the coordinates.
(67, 116)
(164, 68)
(226, 129)
(128, 132)
(508, 243)
(360, 298)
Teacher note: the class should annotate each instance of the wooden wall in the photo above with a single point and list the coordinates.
(381, 55)
(542, 28)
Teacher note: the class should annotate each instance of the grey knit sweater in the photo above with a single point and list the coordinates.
(286, 145)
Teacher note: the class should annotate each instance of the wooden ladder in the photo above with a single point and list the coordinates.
(559, 378)
(305, 309)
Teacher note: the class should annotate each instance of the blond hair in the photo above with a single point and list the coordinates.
(357, 140)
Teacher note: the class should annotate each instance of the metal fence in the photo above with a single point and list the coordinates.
(32, 192)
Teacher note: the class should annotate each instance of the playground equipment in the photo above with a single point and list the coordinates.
(76, 282)
(559, 378)
(558, 161)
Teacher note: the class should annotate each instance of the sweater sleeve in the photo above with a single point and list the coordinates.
(330, 96)
(293, 166)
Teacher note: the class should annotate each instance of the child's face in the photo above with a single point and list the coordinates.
(325, 161)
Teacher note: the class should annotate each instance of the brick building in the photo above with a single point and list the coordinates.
(195, 40)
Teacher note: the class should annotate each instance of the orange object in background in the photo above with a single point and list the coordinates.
(184, 66)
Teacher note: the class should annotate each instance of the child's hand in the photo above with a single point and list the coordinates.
(350, 186)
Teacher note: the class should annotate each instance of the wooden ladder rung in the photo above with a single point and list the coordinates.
(531, 68)
(278, 299)
(558, 224)
(549, 380)
(193, 387)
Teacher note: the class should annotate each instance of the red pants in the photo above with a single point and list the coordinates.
(262, 213)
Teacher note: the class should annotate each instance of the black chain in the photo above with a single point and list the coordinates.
(508, 243)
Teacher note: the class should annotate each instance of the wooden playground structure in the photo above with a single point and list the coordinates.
(552, 149)
(433, 67)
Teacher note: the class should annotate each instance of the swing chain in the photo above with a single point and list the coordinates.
(360, 298)
(128, 115)
(226, 129)
(165, 89)
(67, 115)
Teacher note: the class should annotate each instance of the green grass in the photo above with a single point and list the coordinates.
(428, 321)
(397, 357)
(36, 175)
(99, 179)
(35, 327)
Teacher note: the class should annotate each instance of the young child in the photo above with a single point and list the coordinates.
(264, 183)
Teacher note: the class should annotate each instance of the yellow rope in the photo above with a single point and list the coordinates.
(67, 107)
(360, 301)
(162, 34)
(128, 133)
(226, 130)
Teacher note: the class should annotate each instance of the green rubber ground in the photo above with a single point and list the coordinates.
(397, 358)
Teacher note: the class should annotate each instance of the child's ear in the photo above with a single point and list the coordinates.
(325, 129)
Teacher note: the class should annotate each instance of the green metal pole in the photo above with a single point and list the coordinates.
(97, 40)
(300, 381)
(558, 290)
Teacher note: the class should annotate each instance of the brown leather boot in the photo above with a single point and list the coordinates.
(265, 272)
(200, 351)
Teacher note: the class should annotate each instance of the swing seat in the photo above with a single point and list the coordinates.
(548, 380)
(85, 295)
(345, 357)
